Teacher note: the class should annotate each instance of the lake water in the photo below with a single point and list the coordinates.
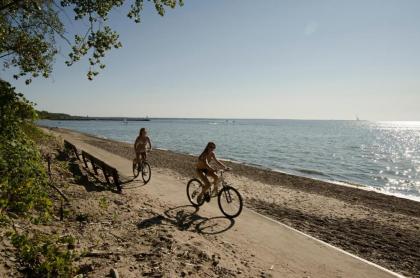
(381, 155)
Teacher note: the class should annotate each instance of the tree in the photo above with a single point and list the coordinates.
(30, 29)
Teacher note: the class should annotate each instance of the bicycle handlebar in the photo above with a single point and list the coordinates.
(224, 170)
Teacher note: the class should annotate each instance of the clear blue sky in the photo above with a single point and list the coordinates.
(252, 59)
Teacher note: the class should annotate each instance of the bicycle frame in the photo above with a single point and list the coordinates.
(225, 196)
(222, 179)
(225, 184)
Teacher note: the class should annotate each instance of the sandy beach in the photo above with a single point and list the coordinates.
(381, 228)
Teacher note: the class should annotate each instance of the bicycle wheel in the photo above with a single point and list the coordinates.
(136, 169)
(146, 172)
(194, 188)
(230, 202)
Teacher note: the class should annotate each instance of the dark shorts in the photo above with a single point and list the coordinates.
(205, 171)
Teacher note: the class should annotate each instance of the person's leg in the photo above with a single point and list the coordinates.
(206, 182)
(144, 156)
(136, 160)
(137, 155)
(215, 181)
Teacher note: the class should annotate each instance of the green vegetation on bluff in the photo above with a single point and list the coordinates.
(45, 115)
(23, 180)
(25, 192)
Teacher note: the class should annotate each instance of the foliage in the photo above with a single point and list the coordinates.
(57, 116)
(27, 36)
(24, 188)
(82, 217)
(37, 135)
(103, 203)
(15, 110)
(29, 30)
(44, 255)
(23, 181)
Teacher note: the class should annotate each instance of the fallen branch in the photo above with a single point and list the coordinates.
(101, 254)
(59, 191)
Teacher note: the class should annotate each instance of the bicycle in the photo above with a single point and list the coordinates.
(229, 200)
(144, 168)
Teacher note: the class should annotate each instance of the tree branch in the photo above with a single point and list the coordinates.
(45, 21)
(9, 5)
(5, 55)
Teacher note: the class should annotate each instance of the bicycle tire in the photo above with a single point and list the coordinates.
(146, 172)
(194, 188)
(136, 170)
(231, 195)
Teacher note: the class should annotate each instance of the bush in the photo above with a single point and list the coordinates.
(24, 188)
(23, 179)
(44, 256)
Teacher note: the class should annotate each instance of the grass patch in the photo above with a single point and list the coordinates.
(43, 255)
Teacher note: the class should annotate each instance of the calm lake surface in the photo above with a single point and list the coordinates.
(381, 155)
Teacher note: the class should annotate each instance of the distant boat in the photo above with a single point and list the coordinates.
(357, 118)
(125, 121)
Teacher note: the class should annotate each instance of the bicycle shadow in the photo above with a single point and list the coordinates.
(132, 183)
(185, 218)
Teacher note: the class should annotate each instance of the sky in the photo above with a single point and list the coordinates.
(250, 59)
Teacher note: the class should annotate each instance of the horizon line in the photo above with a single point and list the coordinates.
(230, 118)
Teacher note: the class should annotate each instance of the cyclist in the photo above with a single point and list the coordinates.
(204, 169)
(140, 146)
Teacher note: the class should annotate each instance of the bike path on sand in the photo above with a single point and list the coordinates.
(287, 252)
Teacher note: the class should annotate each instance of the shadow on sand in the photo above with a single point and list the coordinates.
(132, 183)
(84, 176)
(186, 218)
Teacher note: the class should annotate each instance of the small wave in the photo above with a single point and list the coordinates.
(311, 172)
(162, 149)
(102, 136)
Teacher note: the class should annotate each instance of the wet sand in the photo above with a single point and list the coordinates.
(380, 228)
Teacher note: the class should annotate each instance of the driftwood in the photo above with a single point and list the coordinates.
(101, 254)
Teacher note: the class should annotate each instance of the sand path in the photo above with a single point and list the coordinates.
(287, 252)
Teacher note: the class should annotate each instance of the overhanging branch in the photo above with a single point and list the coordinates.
(5, 55)
(4, 7)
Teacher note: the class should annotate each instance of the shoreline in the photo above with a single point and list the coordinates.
(285, 172)
(293, 173)
(254, 168)
(380, 228)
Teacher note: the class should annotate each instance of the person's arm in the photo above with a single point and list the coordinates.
(136, 143)
(150, 143)
(218, 162)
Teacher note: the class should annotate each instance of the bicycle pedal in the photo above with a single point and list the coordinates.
(208, 197)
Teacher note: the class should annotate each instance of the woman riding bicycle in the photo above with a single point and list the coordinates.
(204, 169)
(140, 146)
